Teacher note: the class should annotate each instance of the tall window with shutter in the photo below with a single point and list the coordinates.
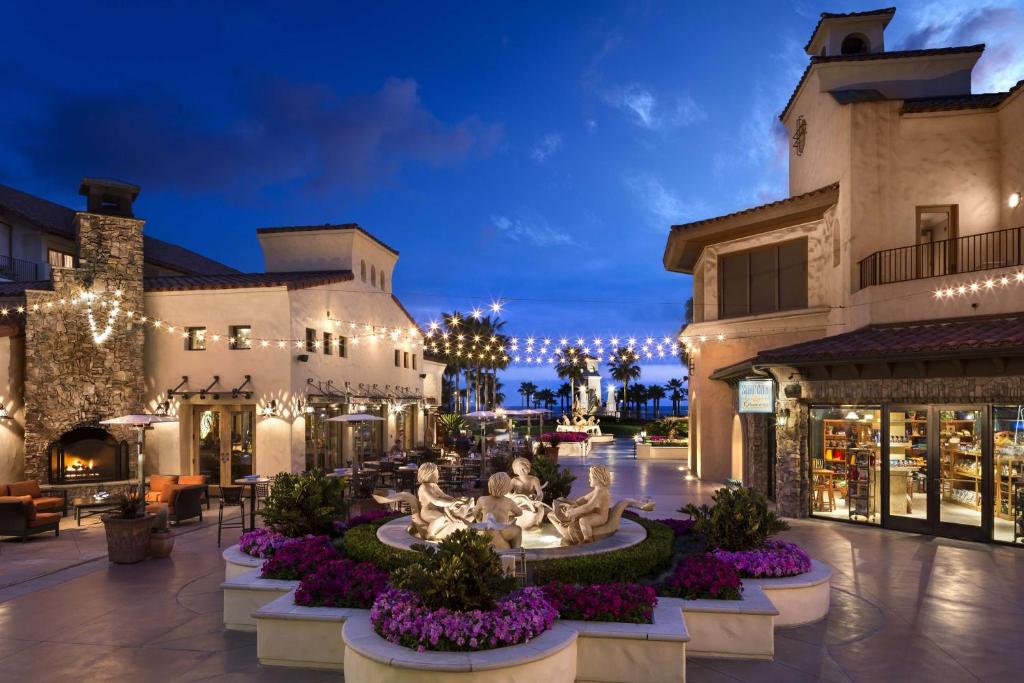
(763, 280)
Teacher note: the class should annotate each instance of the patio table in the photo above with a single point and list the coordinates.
(251, 483)
(94, 506)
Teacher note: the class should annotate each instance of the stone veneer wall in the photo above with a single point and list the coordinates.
(792, 488)
(70, 381)
(755, 451)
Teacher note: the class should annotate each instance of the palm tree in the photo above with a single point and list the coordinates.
(639, 395)
(624, 368)
(564, 392)
(656, 392)
(572, 366)
(676, 387)
(546, 397)
(527, 390)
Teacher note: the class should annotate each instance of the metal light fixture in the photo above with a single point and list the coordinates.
(4, 415)
(1014, 200)
(270, 410)
(852, 415)
(782, 419)
(162, 408)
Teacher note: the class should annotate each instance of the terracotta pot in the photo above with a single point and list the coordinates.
(551, 453)
(161, 543)
(127, 539)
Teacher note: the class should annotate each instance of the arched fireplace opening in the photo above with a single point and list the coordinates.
(88, 455)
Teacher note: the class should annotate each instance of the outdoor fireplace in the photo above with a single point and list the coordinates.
(88, 455)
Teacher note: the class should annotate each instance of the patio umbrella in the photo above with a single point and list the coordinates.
(483, 416)
(356, 417)
(530, 412)
(140, 422)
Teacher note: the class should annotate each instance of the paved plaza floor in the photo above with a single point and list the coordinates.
(904, 608)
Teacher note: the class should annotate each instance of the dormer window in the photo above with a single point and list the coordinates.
(855, 44)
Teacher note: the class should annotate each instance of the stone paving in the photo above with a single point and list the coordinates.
(904, 608)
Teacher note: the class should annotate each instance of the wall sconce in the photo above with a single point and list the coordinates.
(162, 407)
(782, 419)
(270, 410)
(1014, 200)
(4, 415)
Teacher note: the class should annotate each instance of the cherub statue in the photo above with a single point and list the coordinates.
(435, 514)
(591, 517)
(498, 513)
(528, 493)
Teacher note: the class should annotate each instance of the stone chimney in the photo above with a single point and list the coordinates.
(109, 197)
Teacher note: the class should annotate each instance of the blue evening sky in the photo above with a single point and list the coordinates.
(533, 152)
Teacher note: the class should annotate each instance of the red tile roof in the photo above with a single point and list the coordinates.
(980, 101)
(873, 56)
(754, 209)
(60, 220)
(291, 280)
(930, 338)
(325, 226)
(847, 15)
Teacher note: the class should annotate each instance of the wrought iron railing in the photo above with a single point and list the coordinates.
(984, 251)
(20, 270)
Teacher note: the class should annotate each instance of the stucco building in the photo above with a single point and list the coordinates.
(98, 320)
(884, 298)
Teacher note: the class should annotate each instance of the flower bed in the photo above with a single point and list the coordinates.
(621, 602)
(776, 559)
(342, 583)
(680, 527)
(361, 544)
(400, 617)
(699, 577)
(563, 437)
(298, 557)
(341, 527)
(262, 542)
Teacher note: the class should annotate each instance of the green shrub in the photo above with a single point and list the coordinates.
(558, 480)
(461, 573)
(303, 504)
(362, 545)
(738, 520)
(645, 560)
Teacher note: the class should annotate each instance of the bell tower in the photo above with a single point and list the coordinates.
(854, 33)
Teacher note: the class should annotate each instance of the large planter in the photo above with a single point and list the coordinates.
(645, 451)
(128, 539)
(551, 453)
(236, 562)
(303, 637)
(161, 543)
(550, 657)
(732, 629)
(801, 599)
(246, 594)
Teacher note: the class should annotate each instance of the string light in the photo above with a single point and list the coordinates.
(987, 285)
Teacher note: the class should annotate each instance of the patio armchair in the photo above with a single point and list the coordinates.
(157, 482)
(182, 502)
(18, 517)
(197, 480)
(31, 488)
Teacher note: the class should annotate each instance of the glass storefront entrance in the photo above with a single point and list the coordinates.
(223, 442)
(949, 470)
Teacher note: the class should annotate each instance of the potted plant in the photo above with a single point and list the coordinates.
(161, 539)
(128, 530)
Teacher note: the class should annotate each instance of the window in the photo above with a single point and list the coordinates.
(195, 339)
(763, 280)
(310, 340)
(855, 44)
(240, 337)
(60, 259)
(342, 350)
(398, 358)
(328, 342)
(373, 276)
(382, 282)
(362, 270)
(414, 361)
(405, 359)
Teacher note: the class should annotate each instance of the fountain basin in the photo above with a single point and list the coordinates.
(545, 545)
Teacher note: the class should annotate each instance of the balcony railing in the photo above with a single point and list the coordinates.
(20, 270)
(984, 251)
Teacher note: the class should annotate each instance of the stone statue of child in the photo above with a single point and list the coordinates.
(576, 519)
(525, 483)
(501, 511)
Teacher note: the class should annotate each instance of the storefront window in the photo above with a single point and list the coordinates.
(1008, 463)
(845, 462)
(908, 462)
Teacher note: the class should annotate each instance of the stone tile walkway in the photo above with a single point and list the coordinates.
(904, 608)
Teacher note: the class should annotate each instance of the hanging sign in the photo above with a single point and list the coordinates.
(756, 396)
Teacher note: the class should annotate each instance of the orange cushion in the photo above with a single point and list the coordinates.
(48, 503)
(154, 508)
(158, 481)
(45, 519)
(153, 496)
(3, 490)
(30, 509)
(192, 480)
(25, 488)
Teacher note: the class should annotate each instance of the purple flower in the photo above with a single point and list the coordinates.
(340, 527)
(342, 583)
(680, 527)
(703, 577)
(297, 557)
(777, 558)
(262, 542)
(623, 602)
(563, 437)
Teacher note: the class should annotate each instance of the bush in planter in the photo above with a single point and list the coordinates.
(298, 557)
(461, 574)
(622, 602)
(704, 576)
(128, 530)
(738, 520)
(645, 560)
(261, 543)
(361, 544)
(342, 583)
(776, 559)
(304, 504)
(161, 539)
(680, 527)
(555, 438)
(384, 514)
(557, 481)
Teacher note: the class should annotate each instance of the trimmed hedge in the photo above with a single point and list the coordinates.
(361, 544)
(644, 560)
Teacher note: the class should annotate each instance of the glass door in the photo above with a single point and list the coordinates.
(206, 427)
(964, 510)
(223, 442)
(906, 472)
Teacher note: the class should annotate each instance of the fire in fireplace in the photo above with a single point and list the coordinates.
(88, 455)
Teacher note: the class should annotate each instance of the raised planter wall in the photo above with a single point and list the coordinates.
(303, 637)
(236, 562)
(732, 629)
(801, 599)
(246, 593)
(645, 451)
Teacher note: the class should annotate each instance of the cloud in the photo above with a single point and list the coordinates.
(533, 230)
(648, 113)
(997, 24)
(664, 207)
(590, 125)
(546, 147)
(277, 132)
